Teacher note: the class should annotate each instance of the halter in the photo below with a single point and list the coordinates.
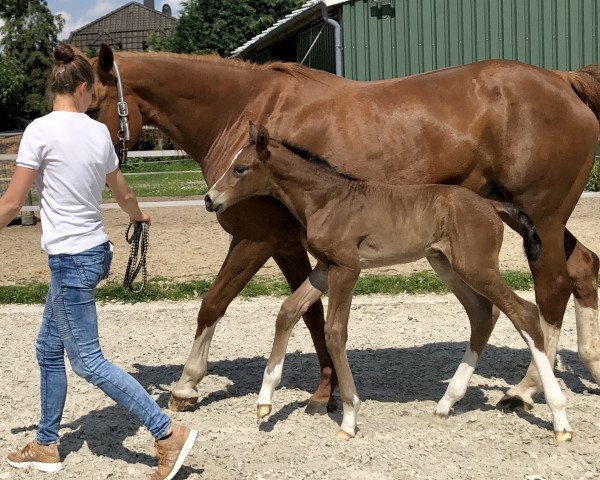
(123, 112)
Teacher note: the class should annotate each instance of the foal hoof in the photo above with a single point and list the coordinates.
(320, 408)
(262, 410)
(343, 435)
(508, 402)
(562, 437)
(440, 417)
(177, 404)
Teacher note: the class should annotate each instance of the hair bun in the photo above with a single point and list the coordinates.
(64, 53)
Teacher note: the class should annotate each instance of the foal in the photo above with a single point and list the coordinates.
(351, 224)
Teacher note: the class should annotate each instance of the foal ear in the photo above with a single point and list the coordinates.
(105, 58)
(259, 136)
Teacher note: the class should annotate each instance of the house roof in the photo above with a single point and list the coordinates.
(127, 26)
(284, 27)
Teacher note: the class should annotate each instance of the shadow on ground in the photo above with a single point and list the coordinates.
(385, 375)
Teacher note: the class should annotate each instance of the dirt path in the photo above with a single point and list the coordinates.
(401, 371)
(188, 243)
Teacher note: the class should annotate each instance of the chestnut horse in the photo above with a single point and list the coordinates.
(351, 225)
(503, 129)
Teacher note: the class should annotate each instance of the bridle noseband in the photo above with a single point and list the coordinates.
(123, 111)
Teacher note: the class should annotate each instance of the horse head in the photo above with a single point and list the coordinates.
(105, 108)
(247, 174)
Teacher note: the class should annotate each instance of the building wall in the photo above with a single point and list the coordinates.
(403, 37)
(322, 54)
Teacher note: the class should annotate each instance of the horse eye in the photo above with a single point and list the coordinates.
(239, 170)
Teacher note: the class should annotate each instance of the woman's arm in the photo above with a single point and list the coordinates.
(125, 197)
(14, 197)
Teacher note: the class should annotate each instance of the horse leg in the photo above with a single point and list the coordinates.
(484, 277)
(292, 309)
(341, 285)
(582, 264)
(552, 291)
(482, 317)
(243, 260)
(295, 265)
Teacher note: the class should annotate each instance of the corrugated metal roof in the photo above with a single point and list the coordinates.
(291, 19)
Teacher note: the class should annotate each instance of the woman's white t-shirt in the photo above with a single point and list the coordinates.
(72, 155)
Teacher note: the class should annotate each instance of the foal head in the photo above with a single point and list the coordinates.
(246, 176)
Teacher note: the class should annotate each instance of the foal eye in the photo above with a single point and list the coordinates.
(239, 170)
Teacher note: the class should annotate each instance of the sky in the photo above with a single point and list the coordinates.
(78, 13)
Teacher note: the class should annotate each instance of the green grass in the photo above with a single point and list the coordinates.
(164, 289)
(149, 164)
(167, 185)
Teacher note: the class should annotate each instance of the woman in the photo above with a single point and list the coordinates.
(71, 158)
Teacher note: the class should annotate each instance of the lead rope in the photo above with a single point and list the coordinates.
(139, 241)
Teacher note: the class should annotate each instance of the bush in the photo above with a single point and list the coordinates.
(154, 139)
(592, 183)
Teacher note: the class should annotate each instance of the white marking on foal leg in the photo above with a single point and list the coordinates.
(270, 382)
(531, 382)
(458, 385)
(554, 396)
(588, 338)
(195, 366)
(348, 427)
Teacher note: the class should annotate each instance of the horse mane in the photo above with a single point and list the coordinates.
(295, 70)
(317, 160)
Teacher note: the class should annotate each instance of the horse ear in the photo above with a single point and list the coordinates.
(253, 132)
(259, 136)
(262, 141)
(105, 58)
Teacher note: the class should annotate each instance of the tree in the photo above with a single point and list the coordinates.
(28, 37)
(12, 88)
(222, 25)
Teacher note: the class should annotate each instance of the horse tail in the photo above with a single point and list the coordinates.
(520, 222)
(585, 82)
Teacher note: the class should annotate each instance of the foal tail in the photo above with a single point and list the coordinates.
(586, 84)
(520, 222)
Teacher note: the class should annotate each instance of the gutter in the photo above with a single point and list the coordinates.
(337, 30)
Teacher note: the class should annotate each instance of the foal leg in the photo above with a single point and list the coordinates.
(341, 285)
(289, 314)
(552, 291)
(482, 316)
(487, 280)
(295, 265)
(583, 271)
(244, 259)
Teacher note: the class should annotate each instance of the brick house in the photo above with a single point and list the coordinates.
(126, 28)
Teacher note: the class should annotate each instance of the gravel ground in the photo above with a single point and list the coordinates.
(402, 349)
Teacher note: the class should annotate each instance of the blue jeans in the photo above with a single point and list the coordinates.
(70, 323)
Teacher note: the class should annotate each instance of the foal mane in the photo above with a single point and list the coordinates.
(317, 160)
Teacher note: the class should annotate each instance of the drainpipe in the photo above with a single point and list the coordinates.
(337, 29)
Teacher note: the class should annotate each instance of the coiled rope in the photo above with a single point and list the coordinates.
(139, 241)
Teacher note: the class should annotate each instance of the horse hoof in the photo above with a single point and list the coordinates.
(320, 408)
(562, 437)
(508, 402)
(262, 411)
(343, 435)
(440, 417)
(177, 404)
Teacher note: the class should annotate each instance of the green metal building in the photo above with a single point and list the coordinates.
(392, 38)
